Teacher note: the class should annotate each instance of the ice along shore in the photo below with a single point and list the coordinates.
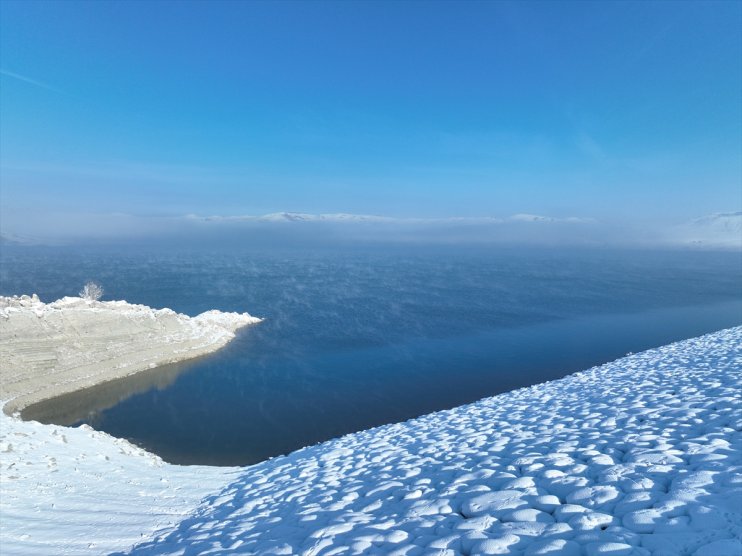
(49, 349)
(641, 456)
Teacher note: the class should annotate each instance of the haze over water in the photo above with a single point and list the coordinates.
(355, 338)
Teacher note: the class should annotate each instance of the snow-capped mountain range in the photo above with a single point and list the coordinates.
(342, 217)
(723, 229)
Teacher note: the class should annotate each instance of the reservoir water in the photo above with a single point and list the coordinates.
(358, 338)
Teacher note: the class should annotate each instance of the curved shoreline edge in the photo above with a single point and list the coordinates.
(51, 349)
(638, 457)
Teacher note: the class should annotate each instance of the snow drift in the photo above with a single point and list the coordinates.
(48, 349)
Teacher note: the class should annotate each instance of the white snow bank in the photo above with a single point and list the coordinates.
(640, 456)
(67, 491)
(48, 349)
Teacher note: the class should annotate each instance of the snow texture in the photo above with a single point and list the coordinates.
(48, 349)
(642, 456)
(78, 491)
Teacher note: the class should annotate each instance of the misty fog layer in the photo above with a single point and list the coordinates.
(285, 229)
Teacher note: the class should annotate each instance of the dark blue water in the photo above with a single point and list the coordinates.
(354, 339)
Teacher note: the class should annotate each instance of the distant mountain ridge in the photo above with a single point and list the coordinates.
(336, 217)
(352, 218)
(721, 229)
(730, 221)
(14, 239)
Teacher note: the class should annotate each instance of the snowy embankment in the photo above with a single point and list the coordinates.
(78, 491)
(49, 349)
(639, 456)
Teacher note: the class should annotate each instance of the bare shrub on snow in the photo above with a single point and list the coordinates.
(91, 291)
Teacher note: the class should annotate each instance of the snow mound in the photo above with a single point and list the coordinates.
(48, 349)
(70, 491)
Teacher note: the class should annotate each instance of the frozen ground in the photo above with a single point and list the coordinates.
(640, 456)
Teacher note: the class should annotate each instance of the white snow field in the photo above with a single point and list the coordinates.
(78, 491)
(640, 456)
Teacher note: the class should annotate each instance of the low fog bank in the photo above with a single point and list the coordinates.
(716, 231)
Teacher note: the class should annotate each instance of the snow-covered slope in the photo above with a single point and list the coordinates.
(714, 230)
(67, 491)
(48, 349)
(640, 456)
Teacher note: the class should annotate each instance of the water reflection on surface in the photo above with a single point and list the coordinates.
(87, 405)
(252, 401)
(356, 339)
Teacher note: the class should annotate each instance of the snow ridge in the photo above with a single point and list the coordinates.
(54, 348)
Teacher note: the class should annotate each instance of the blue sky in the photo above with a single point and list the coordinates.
(622, 112)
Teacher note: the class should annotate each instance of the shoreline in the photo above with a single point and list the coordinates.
(637, 457)
(69, 345)
(105, 395)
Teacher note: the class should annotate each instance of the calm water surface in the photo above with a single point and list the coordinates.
(355, 339)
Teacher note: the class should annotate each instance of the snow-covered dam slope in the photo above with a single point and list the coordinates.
(48, 349)
(639, 456)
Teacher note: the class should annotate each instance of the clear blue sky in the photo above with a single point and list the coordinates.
(627, 110)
